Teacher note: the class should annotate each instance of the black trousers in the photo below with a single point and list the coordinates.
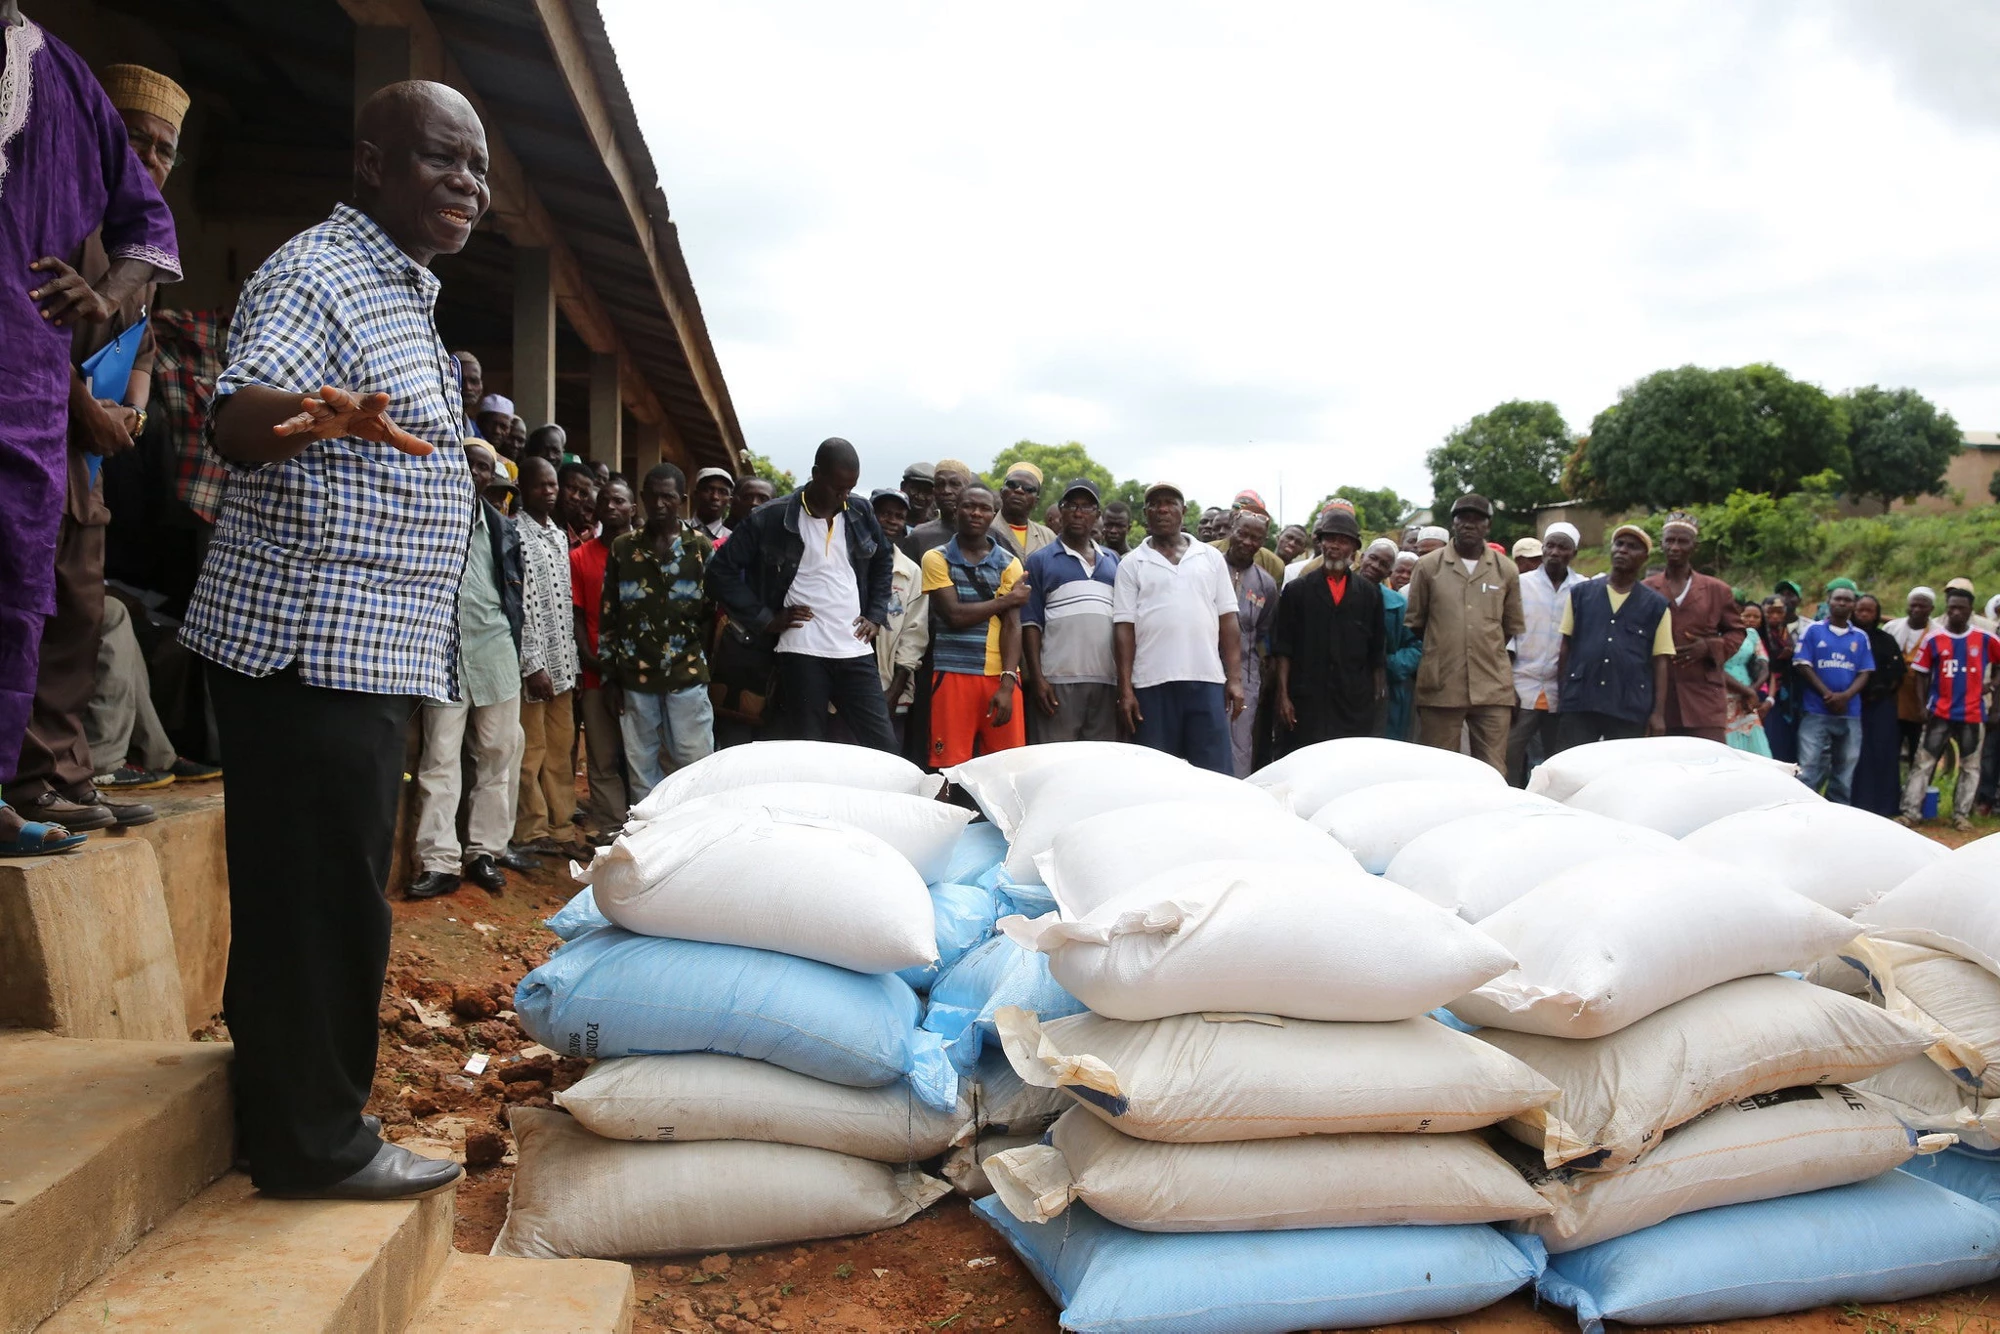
(1580, 729)
(310, 780)
(1528, 725)
(806, 685)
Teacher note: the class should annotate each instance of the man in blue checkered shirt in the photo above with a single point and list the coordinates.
(327, 608)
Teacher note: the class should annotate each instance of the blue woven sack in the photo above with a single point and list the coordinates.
(980, 848)
(1880, 1240)
(613, 993)
(964, 1000)
(1976, 1176)
(1112, 1280)
(577, 916)
(964, 916)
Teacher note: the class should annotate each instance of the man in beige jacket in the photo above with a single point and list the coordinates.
(1465, 603)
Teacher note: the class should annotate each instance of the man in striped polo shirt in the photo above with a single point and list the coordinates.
(976, 592)
(1066, 628)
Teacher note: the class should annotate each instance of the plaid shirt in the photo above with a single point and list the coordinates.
(347, 559)
(187, 359)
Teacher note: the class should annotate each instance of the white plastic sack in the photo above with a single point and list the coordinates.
(923, 829)
(964, 1167)
(1678, 799)
(703, 1096)
(990, 780)
(1261, 1185)
(1067, 796)
(786, 762)
(1953, 1000)
(1757, 1148)
(1950, 905)
(1005, 1103)
(1095, 859)
(576, 1194)
(816, 889)
(1316, 774)
(1564, 774)
(1375, 823)
(1923, 1097)
(1478, 865)
(1607, 943)
(1306, 942)
(1200, 1079)
(1755, 1035)
(1839, 856)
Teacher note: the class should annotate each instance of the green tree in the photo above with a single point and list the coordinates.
(1513, 455)
(1692, 436)
(1060, 465)
(1898, 443)
(781, 481)
(1379, 511)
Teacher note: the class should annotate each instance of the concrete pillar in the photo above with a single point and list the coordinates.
(382, 56)
(534, 336)
(607, 410)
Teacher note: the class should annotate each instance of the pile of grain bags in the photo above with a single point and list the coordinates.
(1256, 1028)
(762, 1075)
(1696, 1083)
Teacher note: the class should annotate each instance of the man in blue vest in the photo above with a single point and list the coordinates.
(1618, 637)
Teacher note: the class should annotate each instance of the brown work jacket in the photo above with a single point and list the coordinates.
(1708, 631)
(1465, 621)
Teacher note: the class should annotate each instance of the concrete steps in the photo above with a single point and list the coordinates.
(484, 1294)
(100, 1142)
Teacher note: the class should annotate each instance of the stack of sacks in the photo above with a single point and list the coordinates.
(1377, 823)
(1647, 993)
(1255, 1032)
(1314, 775)
(750, 976)
(1932, 951)
(786, 762)
(1678, 799)
(1564, 774)
(1839, 856)
(994, 782)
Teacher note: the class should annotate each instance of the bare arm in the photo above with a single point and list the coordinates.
(964, 615)
(1229, 642)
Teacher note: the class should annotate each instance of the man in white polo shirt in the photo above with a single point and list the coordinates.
(1173, 609)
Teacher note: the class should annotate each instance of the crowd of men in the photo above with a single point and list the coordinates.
(364, 536)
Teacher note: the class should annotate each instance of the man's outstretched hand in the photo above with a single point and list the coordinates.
(332, 413)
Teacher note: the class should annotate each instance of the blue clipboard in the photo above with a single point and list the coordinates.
(108, 371)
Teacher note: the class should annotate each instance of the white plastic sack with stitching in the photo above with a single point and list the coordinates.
(1308, 942)
(1678, 799)
(576, 1194)
(1564, 774)
(787, 762)
(1261, 1185)
(1097, 858)
(1477, 865)
(923, 829)
(1923, 1097)
(1954, 1000)
(1754, 1035)
(815, 889)
(1199, 1079)
(965, 1166)
(1607, 943)
(1756, 1148)
(991, 780)
(703, 1096)
(1069, 796)
(1950, 905)
(1316, 774)
(1375, 823)
(1839, 856)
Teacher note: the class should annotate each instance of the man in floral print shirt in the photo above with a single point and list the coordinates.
(650, 634)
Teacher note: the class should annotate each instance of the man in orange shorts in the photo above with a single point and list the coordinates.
(976, 594)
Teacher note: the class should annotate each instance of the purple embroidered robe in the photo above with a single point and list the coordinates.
(66, 170)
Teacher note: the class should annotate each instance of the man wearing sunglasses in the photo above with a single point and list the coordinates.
(1020, 493)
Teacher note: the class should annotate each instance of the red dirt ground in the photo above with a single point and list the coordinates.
(460, 957)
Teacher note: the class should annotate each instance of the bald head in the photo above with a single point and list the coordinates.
(836, 470)
(836, 453)
(420, 167)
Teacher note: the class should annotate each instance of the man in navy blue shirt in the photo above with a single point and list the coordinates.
(1066, 628)
(1834, 662)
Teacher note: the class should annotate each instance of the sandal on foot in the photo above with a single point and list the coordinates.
(39, 840)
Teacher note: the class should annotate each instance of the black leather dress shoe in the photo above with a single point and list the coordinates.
(393, 1174)
(432, 885)
(513, 860)
(482, 872)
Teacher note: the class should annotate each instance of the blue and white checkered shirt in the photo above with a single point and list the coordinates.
(346, 559)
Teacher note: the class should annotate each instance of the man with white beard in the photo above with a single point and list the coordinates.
(1329, 644)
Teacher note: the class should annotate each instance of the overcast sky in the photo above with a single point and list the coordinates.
(1241, 243)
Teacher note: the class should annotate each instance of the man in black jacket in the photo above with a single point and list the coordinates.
(1329, 644)
(488, 705)
(812, 572)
